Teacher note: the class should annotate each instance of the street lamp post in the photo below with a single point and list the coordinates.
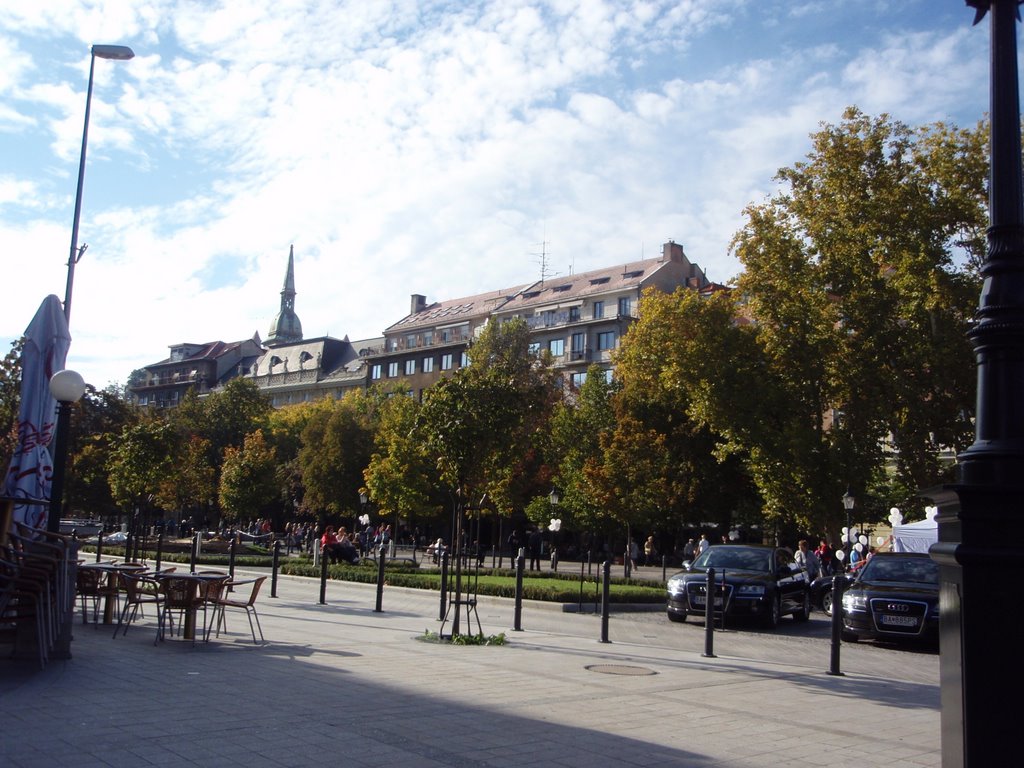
(117, 53)
(978, 552)
(848, 504)
(67, 388)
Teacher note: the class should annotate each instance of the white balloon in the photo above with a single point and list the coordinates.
(863, 540)
(879, 540)
(845, 530)
(859, 547)
(840, 555)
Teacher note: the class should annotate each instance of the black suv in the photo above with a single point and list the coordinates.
(894, 597)
(759, 582)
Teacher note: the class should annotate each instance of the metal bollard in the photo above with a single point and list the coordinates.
(231, 562)
(580, 608)
(444, 585)
(99, 546)
(606, 591)
(128, 547)
(709, 615)
(518, 616)
(276, 565)
(664, 568)
(381, 555)
(625, 563)
(323, 577)
(159, 550)
(837, 625)
(195, 552)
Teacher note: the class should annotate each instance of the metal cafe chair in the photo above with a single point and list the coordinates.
(248, 605)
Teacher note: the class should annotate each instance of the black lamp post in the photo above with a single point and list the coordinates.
(979, 549)
(848, 504)
(117, 53)
(67, 388)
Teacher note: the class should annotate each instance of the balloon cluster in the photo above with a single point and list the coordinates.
(854, 537)
(555, 524)
(364, 519)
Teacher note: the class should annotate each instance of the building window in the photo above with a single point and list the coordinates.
(428, 338)
(534, 348)
(606, 340)
(392, 370)
(463, 360)
(548, 317)
(624, 304)
(574, 314)
(410, 367)
(598, 310)
(579, 342)
(375, 372)
(428, 364)
(446, 362)
(608, 376)
(410, 340)
(578, 379)
(557, 347)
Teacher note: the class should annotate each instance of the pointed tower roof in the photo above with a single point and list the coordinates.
(286, 327)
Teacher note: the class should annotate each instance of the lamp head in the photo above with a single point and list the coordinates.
(67, 386)
(554, 496)
(117, 52)
(848, 501)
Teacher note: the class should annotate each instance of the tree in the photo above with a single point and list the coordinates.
(667, 460)
(484, 425)
(860, 275)
(10, 401)
(139, 462)
(336, 446)
(400, 478)
(247, 482)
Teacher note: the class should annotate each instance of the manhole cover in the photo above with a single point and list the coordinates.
(620, 669)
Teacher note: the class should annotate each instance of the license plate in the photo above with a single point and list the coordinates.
(700, 600)
(899, 621)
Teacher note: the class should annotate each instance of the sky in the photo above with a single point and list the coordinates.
(443, 147)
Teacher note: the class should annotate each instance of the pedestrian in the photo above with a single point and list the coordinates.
(650, 551)
(703, 544)
(825, 556)
(807, 560)
(689, 550)
(632, 553)
(514, 545)
(535, 545)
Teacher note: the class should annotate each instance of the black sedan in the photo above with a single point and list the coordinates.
(895, 597)
(821, 591)
(759, 582)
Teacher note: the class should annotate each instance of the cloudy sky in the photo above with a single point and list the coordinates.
(435, 147)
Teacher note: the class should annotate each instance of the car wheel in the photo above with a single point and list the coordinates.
(826, 603)
(774, 613)
(850, 637)
(678, 617)
(803, 613)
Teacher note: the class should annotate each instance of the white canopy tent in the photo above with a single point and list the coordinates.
(916, 537)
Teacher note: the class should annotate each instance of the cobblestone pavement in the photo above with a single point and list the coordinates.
(340, 684)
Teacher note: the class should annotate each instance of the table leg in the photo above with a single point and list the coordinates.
(190, 624)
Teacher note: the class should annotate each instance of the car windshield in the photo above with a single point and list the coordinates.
(921, 570)
(735, 557)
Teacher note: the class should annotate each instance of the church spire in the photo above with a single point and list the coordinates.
(286, 327)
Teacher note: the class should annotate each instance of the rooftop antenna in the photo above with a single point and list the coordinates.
(542, 259)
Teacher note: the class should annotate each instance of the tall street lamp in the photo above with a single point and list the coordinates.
(848, 502)
(67, 388)
(979, 558)
(117, 53)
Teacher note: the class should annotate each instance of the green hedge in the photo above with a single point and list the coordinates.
(550, 587)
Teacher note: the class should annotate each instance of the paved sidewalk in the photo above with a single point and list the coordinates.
(341, 685)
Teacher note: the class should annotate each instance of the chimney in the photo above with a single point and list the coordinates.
(673, 251)
(418, 304)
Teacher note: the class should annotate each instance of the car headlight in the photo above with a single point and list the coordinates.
(855, 602)
(676, 586)
(750, 590)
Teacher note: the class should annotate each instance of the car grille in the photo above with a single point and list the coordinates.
(696, 593)
(899, 617)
